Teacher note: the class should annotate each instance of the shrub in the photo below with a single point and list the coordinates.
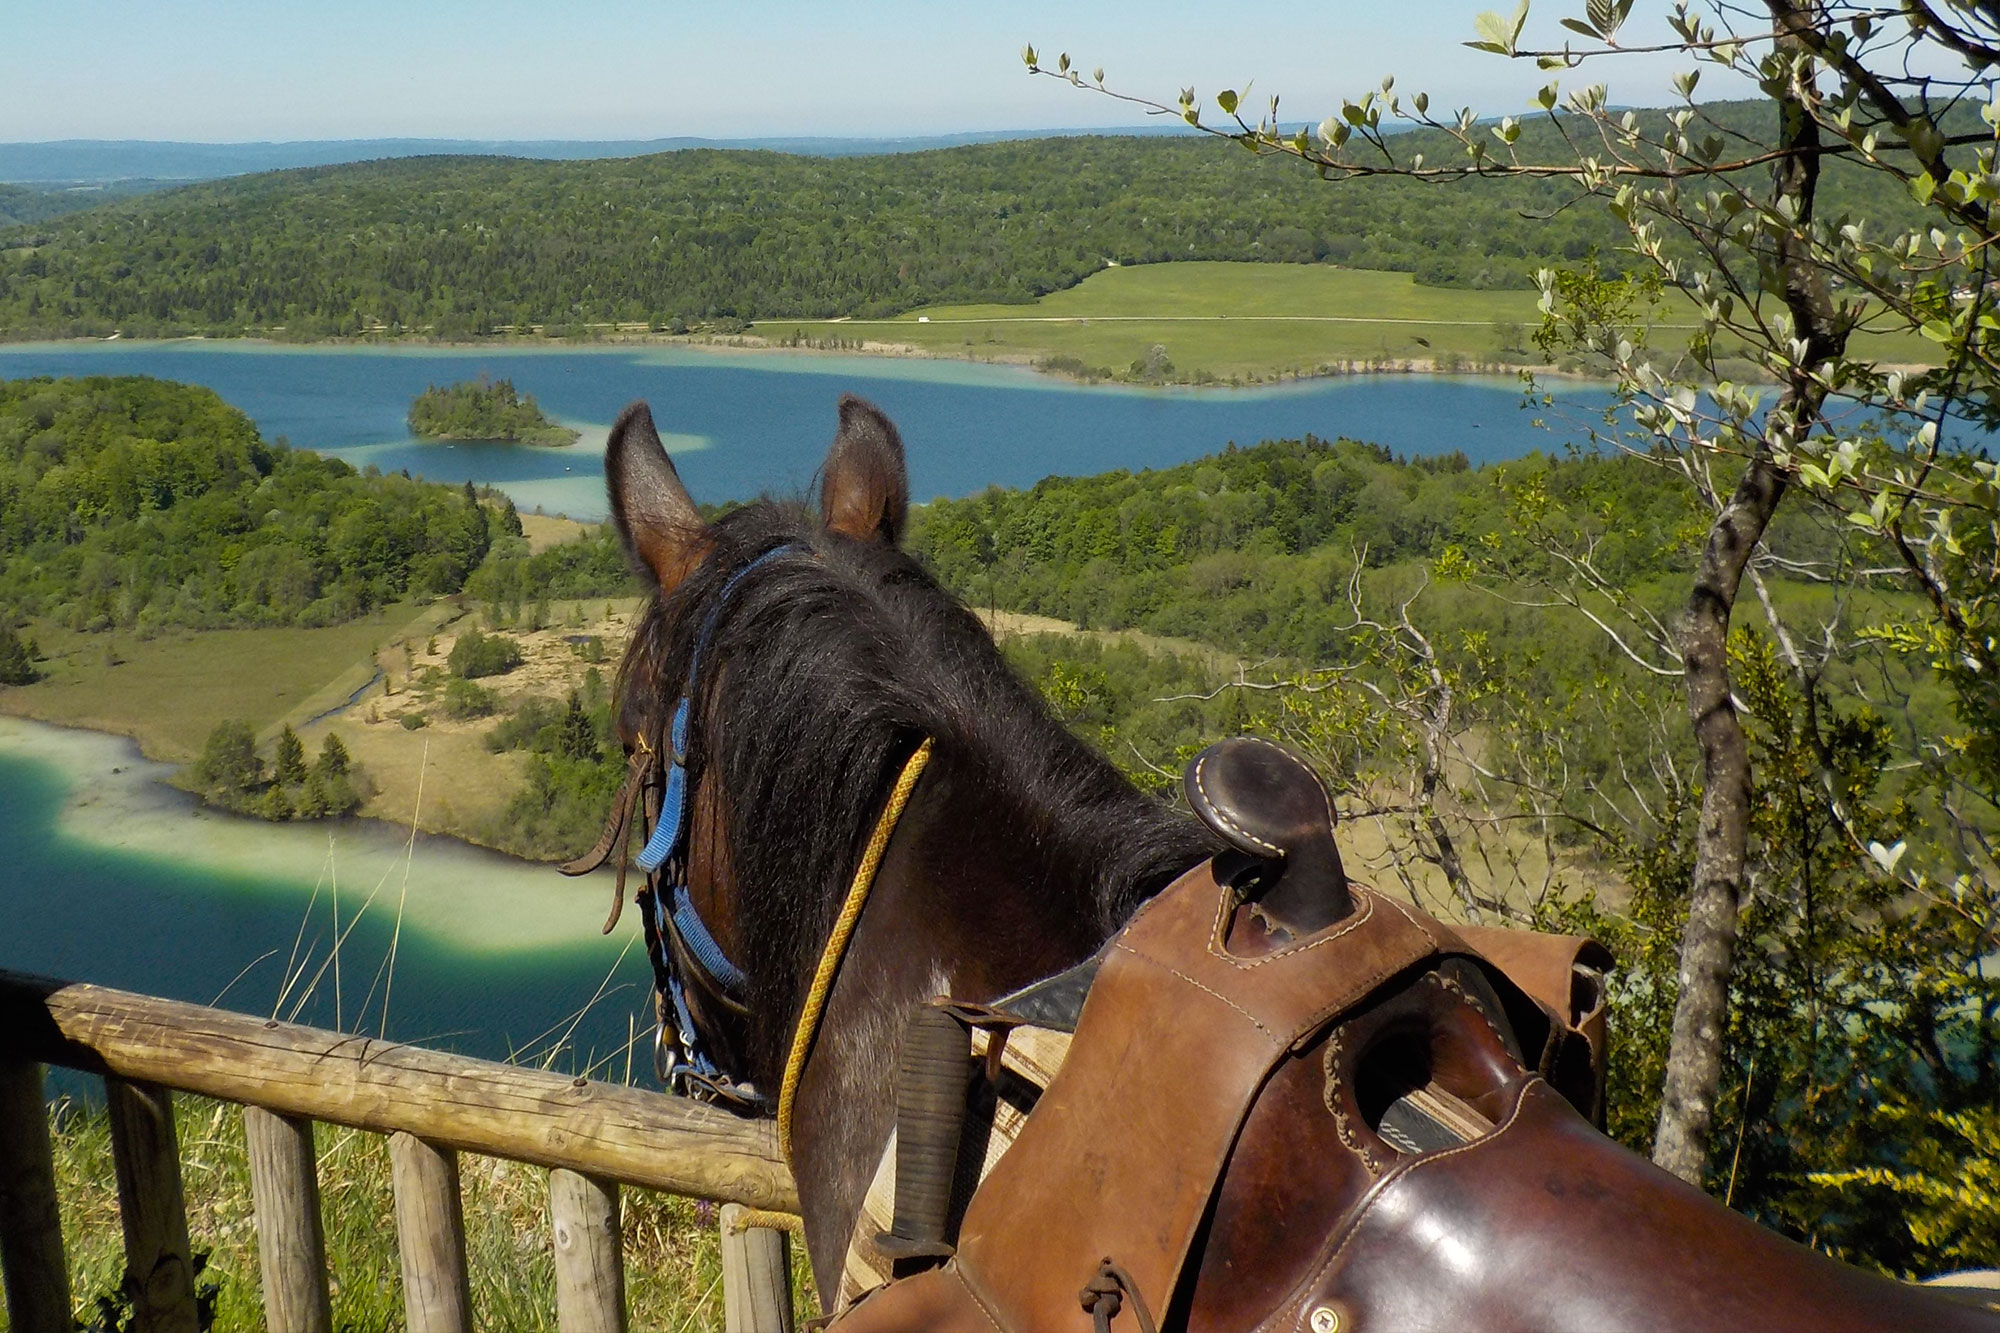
(476, 654)
(535, 725)
(463, 699)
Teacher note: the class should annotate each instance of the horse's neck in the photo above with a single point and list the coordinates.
(974, 899)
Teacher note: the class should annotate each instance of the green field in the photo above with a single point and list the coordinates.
(1234, 323)
(168, 692)
(1225, 321)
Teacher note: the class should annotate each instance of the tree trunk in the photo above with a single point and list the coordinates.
(1708, 945)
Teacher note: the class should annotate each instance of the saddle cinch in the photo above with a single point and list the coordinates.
(1294, 1104)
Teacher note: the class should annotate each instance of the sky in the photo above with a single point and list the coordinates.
(247, 70)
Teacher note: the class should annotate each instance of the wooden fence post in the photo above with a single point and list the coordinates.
(159, 1267)
(756, 1276)
(31, 1248)
(590, 1266)
(291, 1246)
(430, 1233)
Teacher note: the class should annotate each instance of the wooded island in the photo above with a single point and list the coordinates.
(484, 409)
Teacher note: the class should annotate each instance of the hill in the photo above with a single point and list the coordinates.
(458, 246)
(19, 204)
(103, 161)
(461, 246)
(139, 504)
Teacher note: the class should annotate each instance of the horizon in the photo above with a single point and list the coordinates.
(515, 72)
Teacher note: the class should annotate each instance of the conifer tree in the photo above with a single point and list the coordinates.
(291, 762)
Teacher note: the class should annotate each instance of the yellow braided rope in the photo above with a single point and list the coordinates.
(764, 1217)
(836, 943)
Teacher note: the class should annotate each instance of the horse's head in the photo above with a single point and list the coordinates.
(789, 665)
(753, 660)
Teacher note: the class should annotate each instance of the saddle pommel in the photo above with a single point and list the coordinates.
(1269, 805)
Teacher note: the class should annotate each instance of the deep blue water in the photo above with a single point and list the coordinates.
(740, 425)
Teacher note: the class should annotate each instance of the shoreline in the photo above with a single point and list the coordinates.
(461, 895)
(754, 345)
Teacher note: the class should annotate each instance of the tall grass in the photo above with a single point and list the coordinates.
(673, 1269)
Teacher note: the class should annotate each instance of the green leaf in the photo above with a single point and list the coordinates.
(1922, 188)
(1028, 57)
(1497, 33)
(1578, 26)
(1226, 99)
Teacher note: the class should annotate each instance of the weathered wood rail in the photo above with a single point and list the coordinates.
(592, 1137)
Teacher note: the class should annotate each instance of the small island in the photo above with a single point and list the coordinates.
(484, 409)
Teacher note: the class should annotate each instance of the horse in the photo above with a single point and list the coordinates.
(858, 808)
(1020, 852)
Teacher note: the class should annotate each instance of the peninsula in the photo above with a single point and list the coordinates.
(484, 409)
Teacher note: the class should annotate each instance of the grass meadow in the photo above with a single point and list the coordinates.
(168, 692)
(1240, 323)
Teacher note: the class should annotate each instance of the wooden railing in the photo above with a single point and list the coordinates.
(592, 1137)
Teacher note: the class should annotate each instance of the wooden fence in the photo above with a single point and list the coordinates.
(592, 1137)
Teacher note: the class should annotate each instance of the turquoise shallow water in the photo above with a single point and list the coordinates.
(111, 877)
(741, 424)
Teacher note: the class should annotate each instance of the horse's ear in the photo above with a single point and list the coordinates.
(864, 489)
(653, 511)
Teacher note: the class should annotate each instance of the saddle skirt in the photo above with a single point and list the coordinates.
(1379, 1126)
(1291, 1103)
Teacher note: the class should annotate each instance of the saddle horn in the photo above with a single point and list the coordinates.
(1269, 805)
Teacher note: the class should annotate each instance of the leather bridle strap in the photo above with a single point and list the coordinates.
(830, 957)
(617, 835)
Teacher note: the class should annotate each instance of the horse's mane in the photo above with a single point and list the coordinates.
(824, 672)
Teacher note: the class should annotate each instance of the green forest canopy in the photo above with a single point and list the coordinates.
(484, 409)
(458, 246)
(144, 504)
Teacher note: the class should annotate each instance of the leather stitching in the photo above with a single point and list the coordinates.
(1312, 1281)
(1209, 990)
(1329, 1094)
(1451, 984)
(992, 1316)
(1231, 824)
(1351, 924)
(1429, 934)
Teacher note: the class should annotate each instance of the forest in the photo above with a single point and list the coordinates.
(484, 409)
(141, 504)
(20, 204)
(457, 247)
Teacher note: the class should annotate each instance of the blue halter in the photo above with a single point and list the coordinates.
(674, 912)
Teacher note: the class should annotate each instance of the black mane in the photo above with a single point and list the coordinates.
(826, 670)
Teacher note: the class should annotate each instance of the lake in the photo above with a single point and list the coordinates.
(740, 424)
(115, 878)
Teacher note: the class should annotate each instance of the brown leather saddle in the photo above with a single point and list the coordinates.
(1292, 1103)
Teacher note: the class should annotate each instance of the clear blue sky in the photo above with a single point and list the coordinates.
(228, 70)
